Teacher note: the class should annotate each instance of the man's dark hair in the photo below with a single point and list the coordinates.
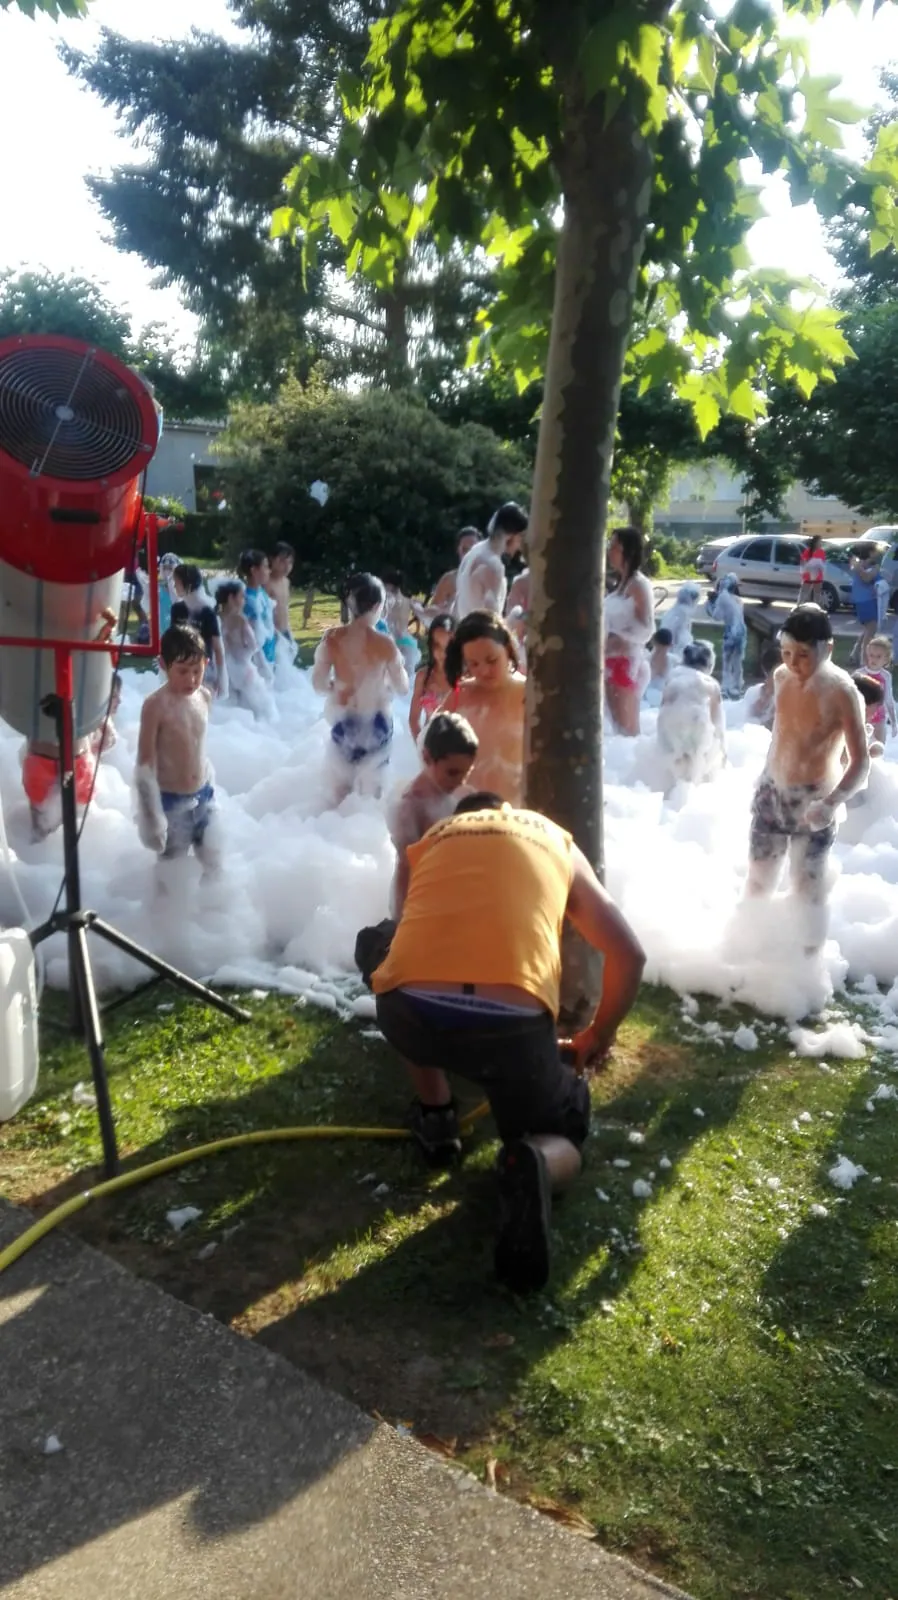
(699, 656)
(808, 624)
(365, 592)
(181, 643)
(482, 800)
(771, 656)
(448, 734)
(248, 560)
(226, 591)
(188, 576)
(509, 518)
(871, 691)
(282, 549)
(662, 636)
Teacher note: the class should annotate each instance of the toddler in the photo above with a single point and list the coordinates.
(878, 665)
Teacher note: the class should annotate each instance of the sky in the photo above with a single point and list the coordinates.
(53, 133)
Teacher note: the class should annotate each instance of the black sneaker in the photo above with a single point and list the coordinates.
(436, 1130)
(525, 1212)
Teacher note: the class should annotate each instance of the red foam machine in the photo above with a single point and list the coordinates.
(77, 430)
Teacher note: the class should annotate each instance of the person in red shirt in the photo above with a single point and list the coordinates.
(812, 561)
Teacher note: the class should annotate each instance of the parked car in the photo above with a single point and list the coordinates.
(704, 561)
(767, 567)
(888, 532)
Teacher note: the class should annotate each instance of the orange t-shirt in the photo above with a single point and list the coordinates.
(485, 904)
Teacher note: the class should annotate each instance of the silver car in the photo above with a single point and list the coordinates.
(888, 532)
(767, 566)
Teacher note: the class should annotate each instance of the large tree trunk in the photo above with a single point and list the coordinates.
(606, 176)
(394, 305)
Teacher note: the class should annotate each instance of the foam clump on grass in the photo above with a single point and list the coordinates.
(301, 878)
(843, 1039)
(845, 1173)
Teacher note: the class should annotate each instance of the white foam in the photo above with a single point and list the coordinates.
(844, 1174)
(301, 880)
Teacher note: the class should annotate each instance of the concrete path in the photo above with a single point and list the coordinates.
(197, 1464)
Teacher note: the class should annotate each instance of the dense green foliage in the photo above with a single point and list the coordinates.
(401, 482)
(52, 8)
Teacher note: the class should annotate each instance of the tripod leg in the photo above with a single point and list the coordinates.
(93, 1034)
(190, 986)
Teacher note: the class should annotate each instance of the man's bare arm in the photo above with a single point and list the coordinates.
(597, 919)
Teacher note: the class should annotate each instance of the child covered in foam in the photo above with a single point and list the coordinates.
(448, 752)
(660, 666)
(280, 566)
(679, 618)
(759, 698)
(249, 674)
(173, 779)
(726, 607)
(359, 670)
(691, 728)
(818, 759)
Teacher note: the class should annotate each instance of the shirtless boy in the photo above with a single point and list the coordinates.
(359, 670)
(175, 798)
(280, 566)
(818, 758)
(448, 750)
(443, 597)
(482, 584)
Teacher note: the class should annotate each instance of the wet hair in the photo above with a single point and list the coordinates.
(226, 591)
(394, 578)
(730, 583)
(871, 691)
(469, 533)
(509, 518)
(284, 551)
(448, 734)
(447, 624)
(662, 636)
(699, 656)
(248, 560)
(808, 624)
(364, 593)
(881, 642)
(633, 546)
(477, 625)
(770, 658)
(181, 643)
(482, 800)
(188, 576)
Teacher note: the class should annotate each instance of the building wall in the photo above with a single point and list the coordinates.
(707, 502)
(183, 446)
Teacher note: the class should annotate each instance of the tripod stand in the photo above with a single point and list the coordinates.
(75, 922)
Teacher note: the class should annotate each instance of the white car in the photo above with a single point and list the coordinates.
(767, 566)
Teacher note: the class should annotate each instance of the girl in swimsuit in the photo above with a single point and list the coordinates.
(488, 689)
(629, 625)
(431, 683)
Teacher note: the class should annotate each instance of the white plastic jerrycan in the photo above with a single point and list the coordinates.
(18, 1022)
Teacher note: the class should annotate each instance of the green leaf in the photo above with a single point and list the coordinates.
(707, 413)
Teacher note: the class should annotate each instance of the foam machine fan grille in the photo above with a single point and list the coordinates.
(65, 415)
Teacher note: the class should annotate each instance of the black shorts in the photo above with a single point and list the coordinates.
(515, 1060)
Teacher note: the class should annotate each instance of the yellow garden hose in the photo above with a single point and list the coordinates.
(155, 1169)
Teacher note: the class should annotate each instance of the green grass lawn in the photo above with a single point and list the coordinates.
(710, 1382)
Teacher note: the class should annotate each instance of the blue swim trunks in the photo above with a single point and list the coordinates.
(188, 817)
(363, 738)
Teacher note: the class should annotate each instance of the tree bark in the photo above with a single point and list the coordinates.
(394, 305)
(606, 169)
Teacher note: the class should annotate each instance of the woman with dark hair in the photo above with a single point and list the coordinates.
(431, 683)
(629, 625)
(488, 689)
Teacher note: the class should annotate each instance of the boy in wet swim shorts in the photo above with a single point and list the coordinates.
(817, 760)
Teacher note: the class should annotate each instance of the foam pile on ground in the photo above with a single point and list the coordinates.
(301, 879)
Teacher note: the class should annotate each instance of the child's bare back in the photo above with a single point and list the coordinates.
(173, 739)
(278, 587)
(363, 668)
